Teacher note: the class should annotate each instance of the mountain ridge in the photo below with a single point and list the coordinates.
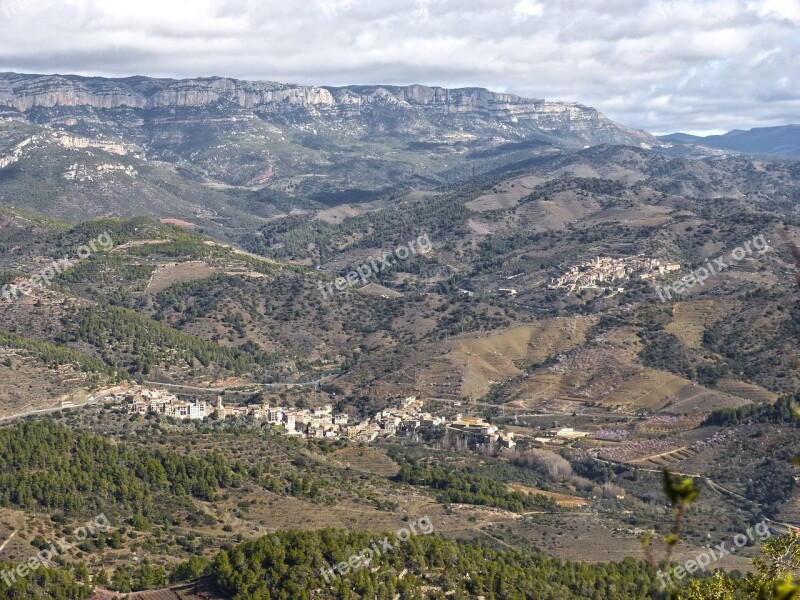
(99, 145)
(780, 140)
(21, 93)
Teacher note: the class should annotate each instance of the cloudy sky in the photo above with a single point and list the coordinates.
(661, 65)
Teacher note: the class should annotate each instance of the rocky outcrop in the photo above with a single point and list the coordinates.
(24, 92)
(16, 152)
(77, 142)
(72, 142)
(83, 173)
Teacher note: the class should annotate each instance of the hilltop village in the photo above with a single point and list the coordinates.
(322, 423)
(604, 269)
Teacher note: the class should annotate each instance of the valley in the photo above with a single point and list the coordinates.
(206, 383)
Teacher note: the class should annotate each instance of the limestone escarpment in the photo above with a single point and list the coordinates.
(24, 93)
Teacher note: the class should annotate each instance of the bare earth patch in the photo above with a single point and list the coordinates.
(368, 460)
(378, 290)
(564, 500)
(507, 195)
(172, 273)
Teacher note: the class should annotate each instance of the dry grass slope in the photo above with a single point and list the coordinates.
(492, 358)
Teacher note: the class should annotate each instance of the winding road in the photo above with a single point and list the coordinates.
(44, 411)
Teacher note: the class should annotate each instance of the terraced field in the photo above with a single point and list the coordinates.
(754, 393)
(690, 320)
(495, 357)
(507, 195)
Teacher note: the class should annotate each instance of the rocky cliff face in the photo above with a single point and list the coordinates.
(315, 143)
(23, 93)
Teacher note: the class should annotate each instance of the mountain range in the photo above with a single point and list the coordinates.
(427, 111)
(770, 141)
(228, 155)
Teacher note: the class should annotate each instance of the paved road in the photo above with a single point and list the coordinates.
(234, 391)
(44, 411)
(506, 408)
(93, 399)
(468, 403)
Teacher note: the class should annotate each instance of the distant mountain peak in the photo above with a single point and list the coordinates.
(780, 140)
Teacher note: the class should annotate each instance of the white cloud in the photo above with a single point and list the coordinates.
(719, 64)
(778, 9)
(525, 9)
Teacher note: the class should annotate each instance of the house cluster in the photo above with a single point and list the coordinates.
(318, 422)
(560, 436)
(406, 417)
(604, 269)
(322, 422)
(486, 432)
(144, 400)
